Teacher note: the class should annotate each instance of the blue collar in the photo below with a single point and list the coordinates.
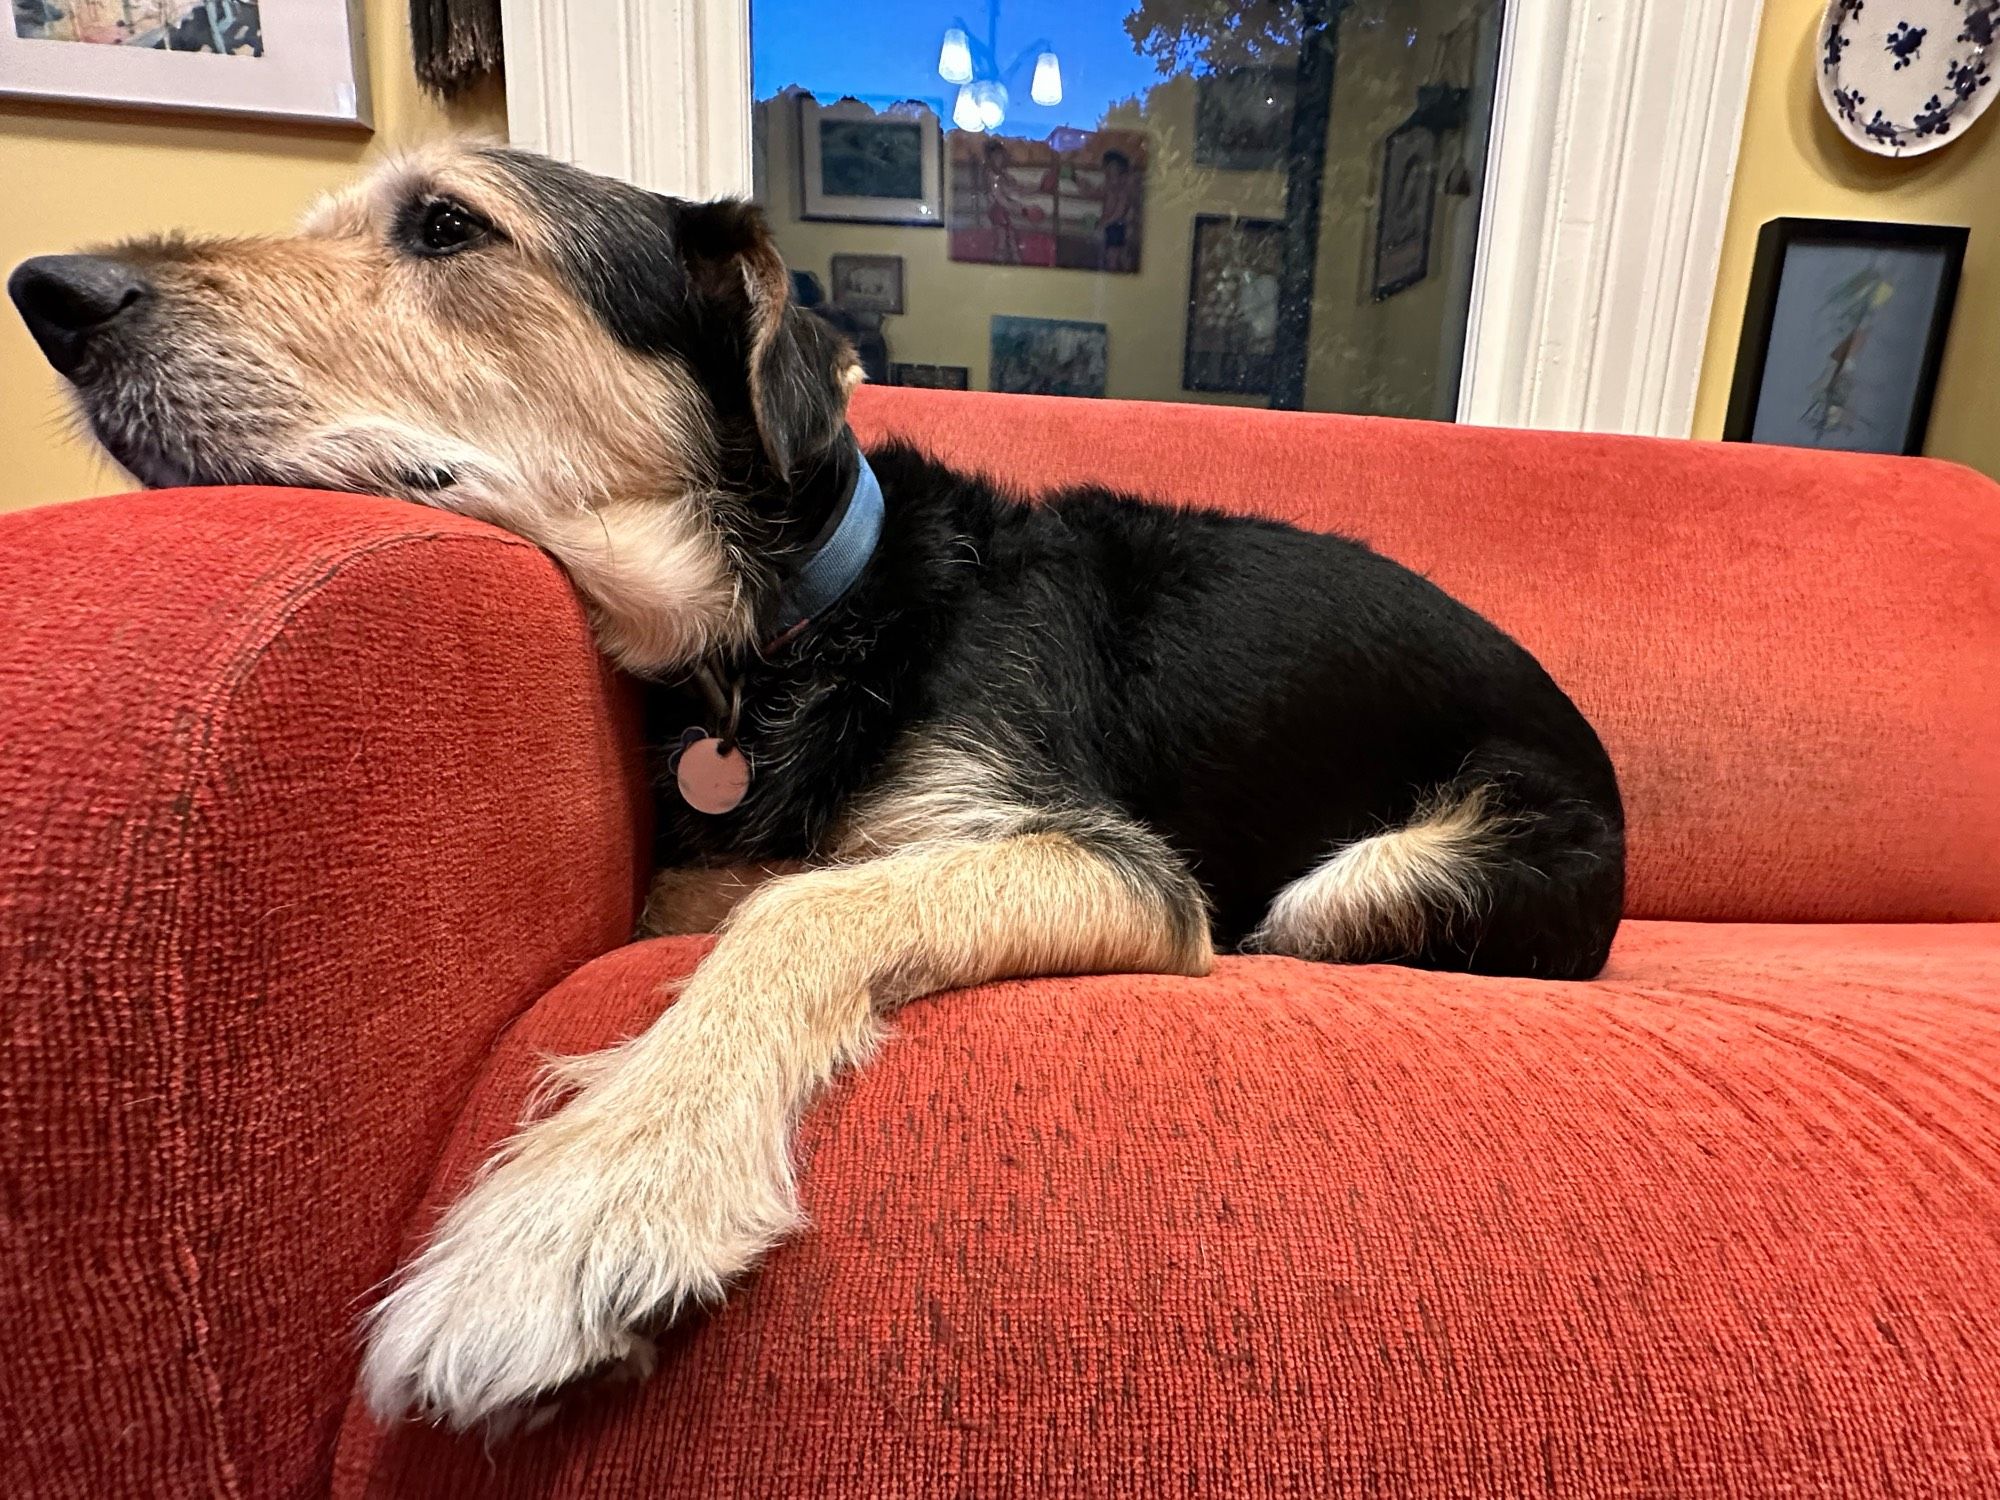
(836, 563)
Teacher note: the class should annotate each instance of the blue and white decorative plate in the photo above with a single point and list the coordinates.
(1902, 77)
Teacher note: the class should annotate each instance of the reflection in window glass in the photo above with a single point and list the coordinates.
(1265, 202)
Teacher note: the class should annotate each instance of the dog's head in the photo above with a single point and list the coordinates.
(617, 375)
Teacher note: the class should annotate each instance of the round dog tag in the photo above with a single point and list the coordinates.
(712, 780)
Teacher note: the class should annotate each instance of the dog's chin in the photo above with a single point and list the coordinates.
(158, 469)
(165, 465)
(161, 460)
(156, 472)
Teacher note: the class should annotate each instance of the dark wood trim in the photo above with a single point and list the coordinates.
(1305, 177)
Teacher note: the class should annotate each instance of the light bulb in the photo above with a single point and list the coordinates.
(1047, 87)
(955, 57)
(990, 96)
(965, 113)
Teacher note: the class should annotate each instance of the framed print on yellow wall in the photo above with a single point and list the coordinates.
(279, 59)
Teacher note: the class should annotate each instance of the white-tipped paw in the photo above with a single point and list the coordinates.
(597, 1223)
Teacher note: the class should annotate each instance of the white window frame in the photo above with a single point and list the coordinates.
(1615, 139)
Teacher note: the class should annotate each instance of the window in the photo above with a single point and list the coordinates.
(1270, 202)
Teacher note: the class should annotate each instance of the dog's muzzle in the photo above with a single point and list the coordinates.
(69, 300)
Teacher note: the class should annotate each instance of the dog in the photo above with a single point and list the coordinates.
(936, 734)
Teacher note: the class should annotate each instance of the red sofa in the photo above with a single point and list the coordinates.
(323, 823)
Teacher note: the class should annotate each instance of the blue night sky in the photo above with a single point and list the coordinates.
(883, 50)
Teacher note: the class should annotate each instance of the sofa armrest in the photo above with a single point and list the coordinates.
(303, 799)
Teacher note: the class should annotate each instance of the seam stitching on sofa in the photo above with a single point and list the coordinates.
(239, 663)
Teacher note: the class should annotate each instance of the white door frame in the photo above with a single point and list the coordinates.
(1615, 143)
(654, 91)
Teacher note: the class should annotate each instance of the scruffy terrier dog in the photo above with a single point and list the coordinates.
(974, 737)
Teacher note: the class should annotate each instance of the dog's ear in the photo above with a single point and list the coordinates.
(795, 371)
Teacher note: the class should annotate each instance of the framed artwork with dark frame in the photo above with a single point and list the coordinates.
(931, 377)
(1407, 210)
(1232, 312)
(1844, 333)
(861, 165)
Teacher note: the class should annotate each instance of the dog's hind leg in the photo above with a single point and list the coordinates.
(668, 1172)
(1506, 870)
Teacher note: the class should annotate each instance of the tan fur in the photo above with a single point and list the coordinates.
(1379, 898)
(695, 899)
(669, 1171)
(936, 786)
(350, 364)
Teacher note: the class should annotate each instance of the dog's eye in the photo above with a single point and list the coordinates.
(447, 227)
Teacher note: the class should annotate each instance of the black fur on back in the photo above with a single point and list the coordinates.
(1255, 694)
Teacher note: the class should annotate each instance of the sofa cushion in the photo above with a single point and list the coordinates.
(1794, 658)
(1726, 1223)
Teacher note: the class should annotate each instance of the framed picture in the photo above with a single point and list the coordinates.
(931, 377)
(1243, 118)
(282, 59)
(1232, 313)
(1049, 356)
(1407, 210)
(1075, 200)
(869, 283)
(869, 166)
(1843, 334)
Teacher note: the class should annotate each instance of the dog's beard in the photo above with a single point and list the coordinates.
(166, 448)
(385, 456)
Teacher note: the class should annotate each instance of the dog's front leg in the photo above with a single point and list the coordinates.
(668, 1172)
(699, 898)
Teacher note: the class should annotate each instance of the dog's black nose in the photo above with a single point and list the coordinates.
(67, 299)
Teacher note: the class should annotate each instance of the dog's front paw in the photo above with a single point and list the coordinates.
(595, 1224)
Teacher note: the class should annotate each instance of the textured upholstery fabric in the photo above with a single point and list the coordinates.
(319, 825)
(305, 799)
(1793, 658)
(1724, 1224)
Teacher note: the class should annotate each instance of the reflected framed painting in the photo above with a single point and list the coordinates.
(931, 377)
(278, 59)
(1243, 118)
(863, 165)
(1406, 210)
(868, 283)
(1844, 334)
(1234, 278)
(1076, 200)
(1049, 356)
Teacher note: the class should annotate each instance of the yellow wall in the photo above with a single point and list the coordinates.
(71, 176)
(1795, 162)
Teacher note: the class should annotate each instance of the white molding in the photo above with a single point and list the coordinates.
(654, 91)
(1606, 202)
